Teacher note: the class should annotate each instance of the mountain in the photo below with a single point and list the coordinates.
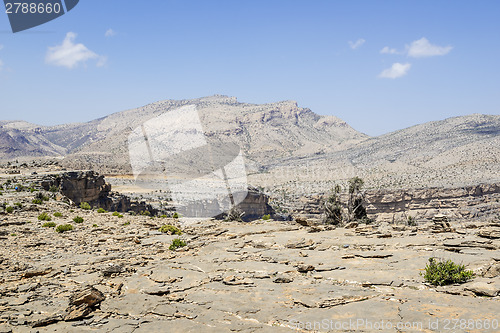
(21, 139)
(286, 147)
(456, 151)
(275, 130)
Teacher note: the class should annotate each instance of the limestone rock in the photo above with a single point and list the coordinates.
(88, 295)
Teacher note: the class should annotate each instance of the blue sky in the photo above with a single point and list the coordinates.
(379, 65)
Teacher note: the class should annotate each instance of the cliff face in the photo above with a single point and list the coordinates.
(256, 205)
(393, 206)
(459, 203)
(90, 187)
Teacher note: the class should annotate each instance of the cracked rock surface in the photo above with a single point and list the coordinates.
(112, 274)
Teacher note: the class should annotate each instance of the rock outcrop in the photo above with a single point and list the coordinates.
(90, 187)
(396, 205)
(256, 205)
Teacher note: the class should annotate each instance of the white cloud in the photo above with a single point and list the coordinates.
(69, 54)
(388, 50)
(356, 44)
(396, 70)
(110, 33)
(422, 48)
(102, 61)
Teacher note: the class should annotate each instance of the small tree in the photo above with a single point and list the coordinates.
(355, 208)
(333, 207)
(235, 214)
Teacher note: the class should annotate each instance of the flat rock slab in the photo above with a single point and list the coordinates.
(484, 288)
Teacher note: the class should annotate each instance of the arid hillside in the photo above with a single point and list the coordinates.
(286, 147)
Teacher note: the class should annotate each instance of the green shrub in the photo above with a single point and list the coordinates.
(54, 188)
(94, 225)
(411, 221)
(37, 201)
(49, 225)
(266, 217)
(9, 209)
(145, 213)
(44, 217)
(20, 187)
(85, 205)
(57, 214)
(101, 210)
(126, 223)
(78, 219)
(176, 215)
(163, 216)
(170, 229)
(18, 204)
(64, 227)
(177, 243)
(440, 273)
(117, 215)
(13, 235)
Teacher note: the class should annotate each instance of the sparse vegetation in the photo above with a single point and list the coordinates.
(355, 208)
(126, 223)
(44, 217)
(85, 205)
(266, 217)
(145, 213)
(53, 189)
(177, 243)
(117, 214)
(64, 227)
(39, 198)
(235, 214)
(42, 197)
(440, 272)
(337, 213)
(58, 214)
(18, 204)
(94, 225)
(101, 211)
(411, 221)
(9, 209)
(49, 225)
(170, 229)
(333, 207)
(176, 215)
(78, 219)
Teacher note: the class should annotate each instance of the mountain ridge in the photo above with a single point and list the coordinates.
(273, 136)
